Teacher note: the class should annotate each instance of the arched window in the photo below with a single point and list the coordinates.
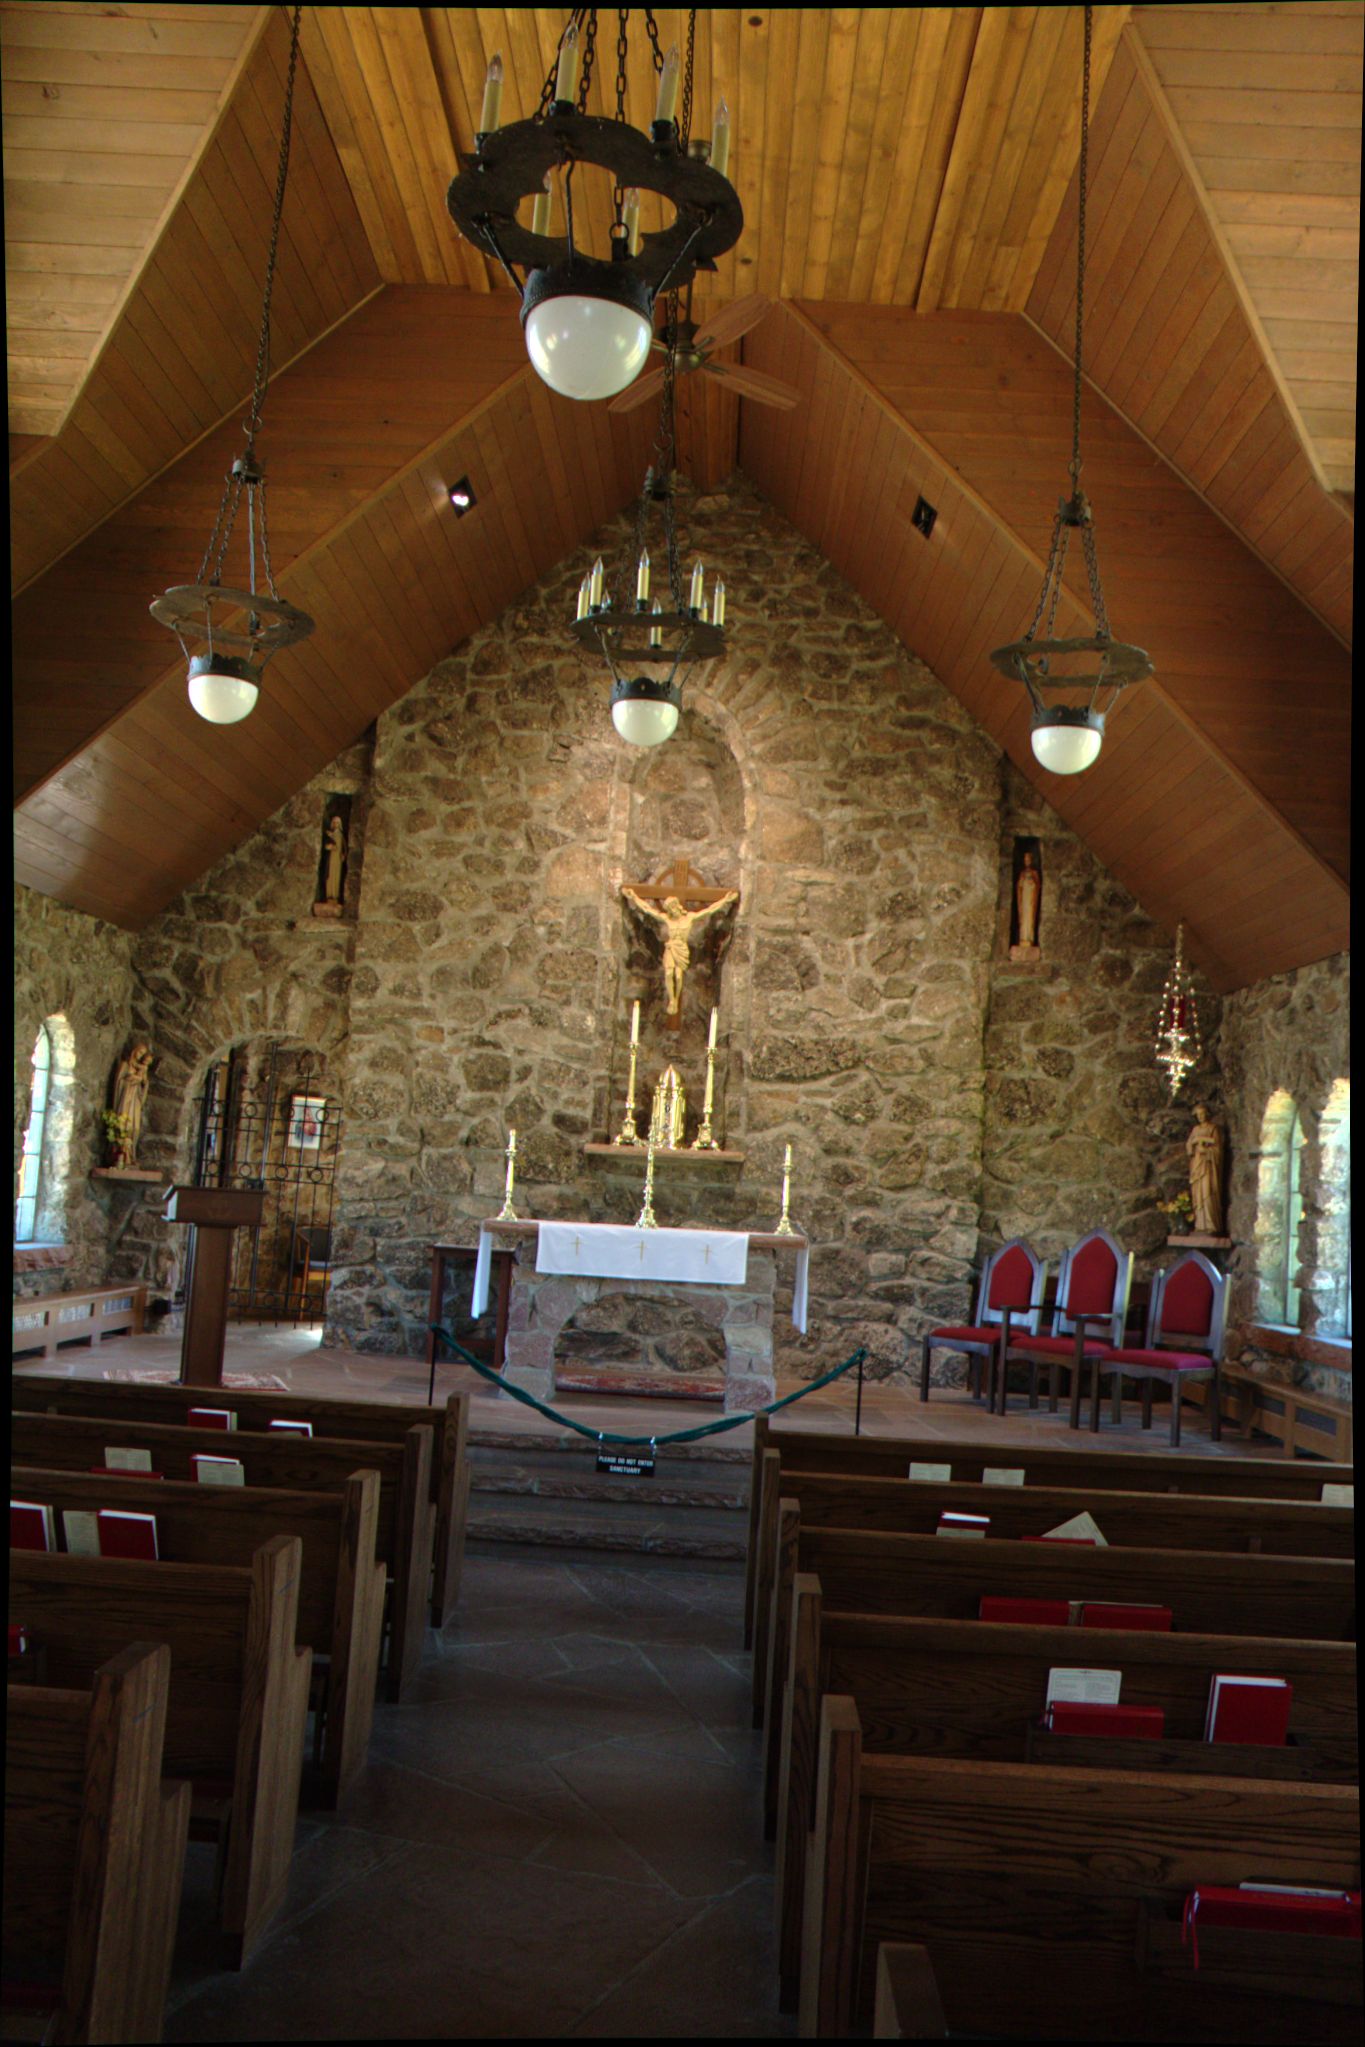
(1332, 1265)
(31, 1153)
(1279, 1212)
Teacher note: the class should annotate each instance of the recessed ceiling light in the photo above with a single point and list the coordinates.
(462, 496)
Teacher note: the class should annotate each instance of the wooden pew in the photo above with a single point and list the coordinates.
(1049, 1901)
(908, 2005)
(341, 1583)
(380, 1421)
(1156, 1471)
(1209, 1593)
(94, 1854)
(403, 1531)
(238, 1703)
(976, 1691)
(1148, 1520)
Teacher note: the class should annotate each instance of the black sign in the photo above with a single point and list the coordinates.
(626, 1463)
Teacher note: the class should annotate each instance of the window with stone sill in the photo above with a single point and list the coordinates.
(1332, 1255)
(31, 1150)
(1279, 1213)
(44, 1156)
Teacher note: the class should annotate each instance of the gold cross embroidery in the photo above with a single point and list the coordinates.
(706, 1254)
(578, 1247)
(642, 1250)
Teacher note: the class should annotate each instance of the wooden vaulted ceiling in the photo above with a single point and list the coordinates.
(908, 179)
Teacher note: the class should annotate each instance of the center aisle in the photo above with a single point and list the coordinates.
(559, 1836)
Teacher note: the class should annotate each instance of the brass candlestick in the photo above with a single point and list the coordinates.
(705, 1137)
(646, 1219)
(507, 1214)
(628, 1134)
(784, 1226)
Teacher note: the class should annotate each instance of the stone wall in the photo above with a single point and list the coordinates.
(854, 804)
(77, 970)
(1080, 1129)
(1290, 1033)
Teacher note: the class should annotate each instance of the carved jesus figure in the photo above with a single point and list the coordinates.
(679, 925)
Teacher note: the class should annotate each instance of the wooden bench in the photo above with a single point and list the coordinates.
(382, 1421)
(94, 1854)
(1298, 1419)
(63, 1319)
(1300, 1598)
(238, 1702)
(403, 1531)
(975, 1691)
(1156, 1471)
(341, 1582)
(1149, 1520)
(1050, 1901)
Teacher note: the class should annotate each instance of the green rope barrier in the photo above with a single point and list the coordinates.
(730, 1421)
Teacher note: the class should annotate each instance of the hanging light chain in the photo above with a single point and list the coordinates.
(1080, 255)
(685, 114)
(244, 472)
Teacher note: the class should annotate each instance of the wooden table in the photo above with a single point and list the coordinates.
(448, 1260)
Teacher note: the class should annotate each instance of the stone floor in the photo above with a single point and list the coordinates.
(560, 1836)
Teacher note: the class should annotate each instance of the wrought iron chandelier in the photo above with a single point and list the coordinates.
(643, 632)
(1178, 1043)
(589, 322)
(1072, 693)
(239, 627)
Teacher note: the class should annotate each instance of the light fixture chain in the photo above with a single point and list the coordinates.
(281, 176)
(685, 117)
(589, 52)
(1080, 254)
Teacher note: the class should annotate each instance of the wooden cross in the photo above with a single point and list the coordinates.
(681, 880)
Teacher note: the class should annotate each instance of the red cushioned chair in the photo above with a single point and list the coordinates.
(1092, 1293)
(1185, 1322)
(1012, 1281)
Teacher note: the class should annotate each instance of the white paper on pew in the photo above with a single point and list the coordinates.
(1002, 1474)
(1339, 1496)
(1084, 1687)
(483, 1266)
(219, 1470)
(1080, 1528)
(127, 1460)
(932, 1474)
(80, 1527)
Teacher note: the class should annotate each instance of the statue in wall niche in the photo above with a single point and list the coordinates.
(678, 924)
(1204, 1150)
(332, 859)
(124, 1125)
(1028, 895)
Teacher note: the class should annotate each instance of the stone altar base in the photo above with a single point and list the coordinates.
(542, 1303)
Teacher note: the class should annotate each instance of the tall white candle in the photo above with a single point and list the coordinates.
(566, 78)
(512, 1142)
(492, 97)
(668, 87)
(720, 139)
(635, 1025)
(642, 578)
(695, 596)
(540, 211)
(711, 1040)
(630, 217)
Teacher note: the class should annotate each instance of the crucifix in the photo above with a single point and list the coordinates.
(680, 901)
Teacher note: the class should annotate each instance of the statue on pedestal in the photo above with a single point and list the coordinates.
(1028, 890)
(1204, 1150)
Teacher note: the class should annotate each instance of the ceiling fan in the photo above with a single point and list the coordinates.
(696, 347)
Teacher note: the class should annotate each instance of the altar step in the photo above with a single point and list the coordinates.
(545, 1493)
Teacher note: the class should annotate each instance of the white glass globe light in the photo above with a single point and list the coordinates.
(1068, 747)
(644, 721)
(221, 688)
(587, 347)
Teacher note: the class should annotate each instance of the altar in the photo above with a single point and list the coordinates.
(730, 1275)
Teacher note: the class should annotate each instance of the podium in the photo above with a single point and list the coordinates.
(212, 1213)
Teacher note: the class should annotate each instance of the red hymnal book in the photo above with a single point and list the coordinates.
(31, 1526)
(1073, 1716)
(211, 1418)
(1043, 1613)
(127, 1535)
(18, 1638)
(1106, 1614)
(951, 1523)
(293, 1428)
(1271, 1908)
(1249, 1709)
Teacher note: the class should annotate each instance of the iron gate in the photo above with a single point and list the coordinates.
(265, 1120)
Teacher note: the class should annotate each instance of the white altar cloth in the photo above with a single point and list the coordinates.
(641, 1254)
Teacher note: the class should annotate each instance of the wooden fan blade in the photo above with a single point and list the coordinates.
(732, 321)
(754, 384)
(639, 393)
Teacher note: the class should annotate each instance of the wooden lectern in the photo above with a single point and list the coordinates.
(213, 1213)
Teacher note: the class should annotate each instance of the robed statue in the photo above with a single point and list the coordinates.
(131, 1077)
(1204, 1150)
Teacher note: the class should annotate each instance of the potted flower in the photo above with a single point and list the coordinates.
(1180, 1210)
(116, 1136)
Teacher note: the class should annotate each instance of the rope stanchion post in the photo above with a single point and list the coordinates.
(599, 1436)
(858, 1408)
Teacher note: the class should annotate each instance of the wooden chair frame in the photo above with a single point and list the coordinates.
(1175, 1376)
(978, 1353)
(1065, 1323)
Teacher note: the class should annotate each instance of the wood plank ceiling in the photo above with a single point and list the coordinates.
(908, 178)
